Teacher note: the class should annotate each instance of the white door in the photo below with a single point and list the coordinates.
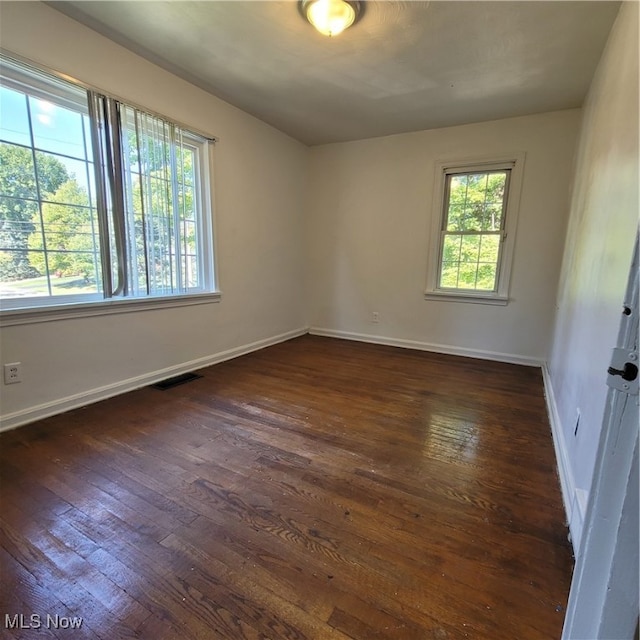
(603, 601)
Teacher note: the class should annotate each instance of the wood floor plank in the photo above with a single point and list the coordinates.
(31, 587)
(315, 489)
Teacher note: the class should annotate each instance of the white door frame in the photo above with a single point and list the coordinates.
(603, 601)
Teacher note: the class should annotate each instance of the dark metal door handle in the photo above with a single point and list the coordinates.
(629, 373)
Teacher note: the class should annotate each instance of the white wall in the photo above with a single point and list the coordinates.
(597, 255)
(365, 208)
(370, 205)
(259, 196)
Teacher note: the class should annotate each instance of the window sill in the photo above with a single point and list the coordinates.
(473, 298)
(31, 315)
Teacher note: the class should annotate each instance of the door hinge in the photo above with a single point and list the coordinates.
(623, 371)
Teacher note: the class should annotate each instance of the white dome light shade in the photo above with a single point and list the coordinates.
(330, 17)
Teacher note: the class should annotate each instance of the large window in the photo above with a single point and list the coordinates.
(473, 240)
(99, 200)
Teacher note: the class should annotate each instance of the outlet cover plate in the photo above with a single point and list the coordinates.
(12, 373)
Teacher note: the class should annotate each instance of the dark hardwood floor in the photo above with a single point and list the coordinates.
(315, 489)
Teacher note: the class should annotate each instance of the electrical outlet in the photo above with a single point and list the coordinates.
(13, 373)
(375, 317)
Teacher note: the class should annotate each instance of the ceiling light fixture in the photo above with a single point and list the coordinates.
(330, 17)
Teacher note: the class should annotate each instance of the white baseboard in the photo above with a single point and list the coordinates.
(572, 497)
(428, 346)
(25, 416)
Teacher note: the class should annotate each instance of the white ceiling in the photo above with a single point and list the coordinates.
(405, 66)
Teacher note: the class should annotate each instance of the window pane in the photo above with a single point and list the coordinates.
(475, 201)
(469, 262)
(48, 231)
(486, 277)
(489, 248)
(86, 127)
(17, 176)
(191, 270)
(85, 280)
(186, 204)
(70, 239)
(455, 218)
(474, 218)
(470, 249)
(29, 281)
(56, 129)
(476, 188)
(16, 221)
(458, 189)
(492, 219)
(449, 276)
(495, 187)
(186, 165)
(62, 223)
(78, 182)
(451, 249)
(467, 275)
(18, 213)
(189, 237)
(14, 124)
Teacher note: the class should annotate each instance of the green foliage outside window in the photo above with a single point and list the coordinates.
(69, 229)
(70, 234)
(88, 182)
(19, 205)
(473, 228)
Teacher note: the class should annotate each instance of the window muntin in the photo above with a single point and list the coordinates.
(68, 233)
(473, 228)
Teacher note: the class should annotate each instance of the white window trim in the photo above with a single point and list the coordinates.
(50, 71)
(208, 240)
(101, 307)
(501, 295)
(16, 311)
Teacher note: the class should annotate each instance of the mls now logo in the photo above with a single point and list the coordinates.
(36, 621)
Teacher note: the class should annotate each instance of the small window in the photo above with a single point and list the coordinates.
(99, 200)
(476, 211)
